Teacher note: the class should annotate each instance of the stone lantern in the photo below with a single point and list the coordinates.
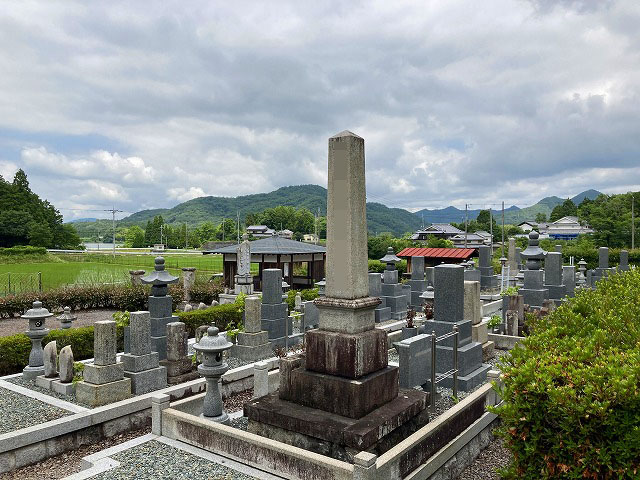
(66, 319)
(159, 279)
(37, 331)
(321, 285)
(533, 254)
(212, 368)
(390, 259)
(582, 272)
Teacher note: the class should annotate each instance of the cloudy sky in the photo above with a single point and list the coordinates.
(147, 104)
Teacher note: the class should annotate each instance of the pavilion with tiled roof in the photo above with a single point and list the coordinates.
(436, 256)
(282, 253)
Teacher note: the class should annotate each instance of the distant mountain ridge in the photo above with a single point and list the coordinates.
(380, 218)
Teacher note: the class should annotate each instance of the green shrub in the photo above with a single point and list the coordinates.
(307, 294)
(376, 266)
(571, 389)
(224, 316)
(119, 297)
(16, 348)
(23, 250)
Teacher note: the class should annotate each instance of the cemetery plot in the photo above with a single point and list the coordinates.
(19, 411)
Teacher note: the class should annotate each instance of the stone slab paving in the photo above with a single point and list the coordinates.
(20, 411)
(164, 458)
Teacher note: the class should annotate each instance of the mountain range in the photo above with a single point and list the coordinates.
(380, 218)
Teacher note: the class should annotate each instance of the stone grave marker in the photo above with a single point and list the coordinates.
(141, 364)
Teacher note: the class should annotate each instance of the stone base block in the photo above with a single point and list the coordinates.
(147, 381)
(44, 382)
(101, 374)
(30, 373)
(472, 275)
(139, 363)
(382, 314)
(442, 328)
(277, 328)
(416, 301)
(63, 388)
(348, 355)
(533, 279)
(185, 377)
(177, 367)
(391, 289)
(480, 332)
(334, 435)
(252, 353)
(252, 339)
(470, 381)
(469, 358)
(291, 341)
(97, 395)
(159, 324)
(159, 344)
(273, 312)
(534, 298)
(346, 397)
(488, 351)
(556, 292)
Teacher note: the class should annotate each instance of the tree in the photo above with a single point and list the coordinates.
(153, 231)
(566, 209)
(135, 237)
(484, 221)
(541, 217)
(39, 235)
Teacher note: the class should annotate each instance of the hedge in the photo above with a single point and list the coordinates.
(306, 295)
(572, 388)
(118, 297)
(16, 348)
(227, 316)
(376, 266)
(23, 250)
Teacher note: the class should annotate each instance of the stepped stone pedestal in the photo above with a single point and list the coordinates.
(393, 295)
(252, 344)
(553, 277)
(274, 312)
(488, 279)
(103, 381)
(341, 396)
(533, 292)
(141, 364)
(417, 282)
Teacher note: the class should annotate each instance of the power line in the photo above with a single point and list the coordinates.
(113, 211)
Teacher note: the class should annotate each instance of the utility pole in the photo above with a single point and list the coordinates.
(238, 225)
(633, 222)
(466, 223)
(186, 245)
(503, 228)
(491, 228)
(113, 211)
(161, 229)
(223, 228)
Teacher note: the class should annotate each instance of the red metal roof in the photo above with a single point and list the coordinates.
(437, 252)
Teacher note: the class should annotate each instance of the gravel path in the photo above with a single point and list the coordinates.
(70, 462)
(153, 460)
(484, 467)
(236, 401)
(11, 326)
(19, 411)
(32, 386)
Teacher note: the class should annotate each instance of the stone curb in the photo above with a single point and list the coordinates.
(56, 402)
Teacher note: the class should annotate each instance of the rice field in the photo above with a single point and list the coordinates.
(92, 269)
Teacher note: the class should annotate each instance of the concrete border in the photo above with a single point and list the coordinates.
(33, 444)
(490, 308)
(505, 342)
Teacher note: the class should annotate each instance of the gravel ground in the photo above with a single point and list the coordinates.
(498, 355)
(241, 423)
(19, 411)
(69, 462)
(236, 401)
(154, 460)
(484, 467)
(32, 386)
(11, 326)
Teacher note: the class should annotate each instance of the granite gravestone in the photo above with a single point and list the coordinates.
(487, 278)
(448, 304)
(569, 279)
(252, 344)
(160, 306)
(623, 265)
(533, 291)
(103, 381)
(178, 364)
(243, 279)
(274, 312)
(603, 269)
(392, 293)
(382, 312)
(512, 261)
(553, 277)
(327, 397)
(141, 364)
(417, 282)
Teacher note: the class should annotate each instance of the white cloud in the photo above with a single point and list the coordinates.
(458, 102)
(8, 170)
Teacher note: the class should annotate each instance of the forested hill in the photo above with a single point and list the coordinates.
(313, 197)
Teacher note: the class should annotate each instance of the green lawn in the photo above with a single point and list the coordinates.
(94, 269)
